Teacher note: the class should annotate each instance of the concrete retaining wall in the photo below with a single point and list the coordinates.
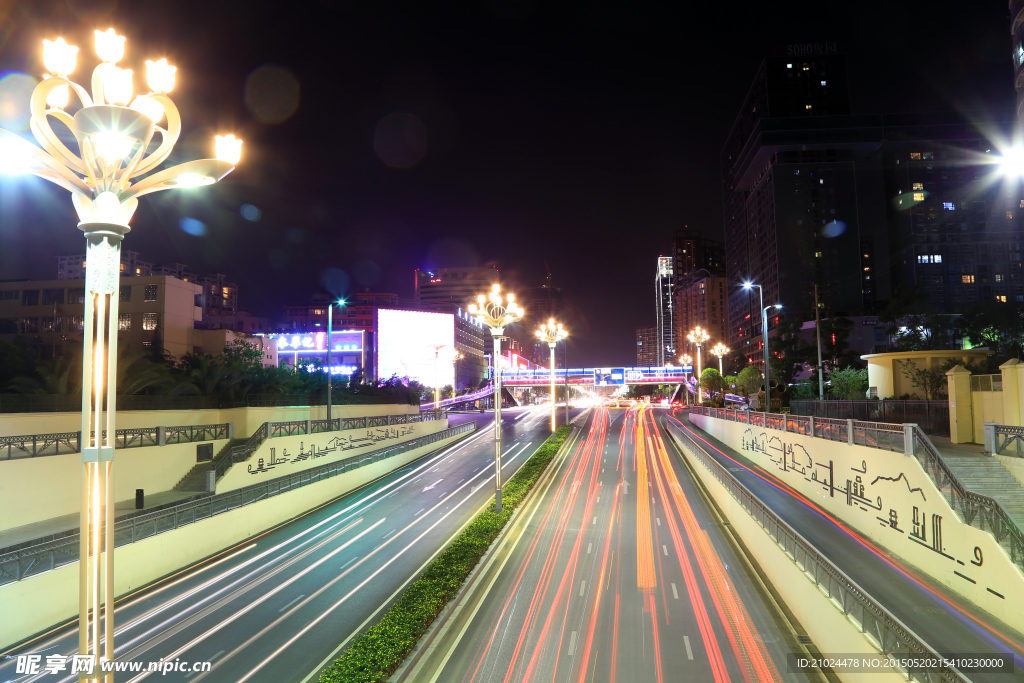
(38, 603)
(893, 502)
(833, 633)
(35, 489)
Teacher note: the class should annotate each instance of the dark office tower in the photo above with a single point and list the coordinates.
(692, 252)
(954, 222)
(803, 197)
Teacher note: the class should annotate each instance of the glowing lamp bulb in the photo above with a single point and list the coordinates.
(149, 107)
(229, 149)
(58, 97)
(496, 288)
(160, 75)
(14, 156)
(1012, 163)
(109, 46)
(111, 146)
(59, 57)
(117, 85)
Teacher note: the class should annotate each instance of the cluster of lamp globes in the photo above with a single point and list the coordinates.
(114, 128)
(496, 312)
(551, 332)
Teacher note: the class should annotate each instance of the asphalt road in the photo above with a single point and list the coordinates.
(616, 571)
(938, 616)
(278, 608)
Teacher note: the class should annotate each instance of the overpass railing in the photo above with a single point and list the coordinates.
(999, 438)
(59, 443)
(471, 396)
(35, 557)
(976, 509)
(879, 626)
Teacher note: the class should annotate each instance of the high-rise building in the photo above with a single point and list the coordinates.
(665, 323)
(692, 252)
(803, 197)
(454, 287)
(704, 303)
(1017, 31)
(72, 266)
(647, 346)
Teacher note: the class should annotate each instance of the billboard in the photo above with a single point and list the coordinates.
(406, 343)
(608, 376)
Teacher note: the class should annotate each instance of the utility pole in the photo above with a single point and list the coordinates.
(817, 329)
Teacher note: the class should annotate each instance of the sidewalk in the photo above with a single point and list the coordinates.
(46, 529)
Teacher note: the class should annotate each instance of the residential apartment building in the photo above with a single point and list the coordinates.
(703, 303)
(50, 313)
(647, 343)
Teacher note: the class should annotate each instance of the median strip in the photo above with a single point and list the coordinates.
(375, 654)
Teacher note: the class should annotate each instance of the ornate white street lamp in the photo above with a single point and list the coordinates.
(437, 389)
(113, 167)
(698, 336)
(687, 362)
(552, 333)
(497, 313)
(720, 350)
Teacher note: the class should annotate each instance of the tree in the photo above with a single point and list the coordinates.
(995, 324)
(17, 358)
(913, 324)
(749, 380)
(787, 352)
(849, 382)
(835, 345)
(712, 383)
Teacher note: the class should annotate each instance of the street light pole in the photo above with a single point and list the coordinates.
(720, 350)
(698, 336)
(553, 333)
(687, 362)
(764, 342)
(113, 140)
(497, 313)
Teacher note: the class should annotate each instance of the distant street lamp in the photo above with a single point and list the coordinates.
(330, 344)
(113, 139)
(687, 362)
(720, 350)
(496, 313)
(437, 351)
(552, 334)
(698, 336)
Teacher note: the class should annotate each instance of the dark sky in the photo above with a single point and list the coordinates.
(518, 132)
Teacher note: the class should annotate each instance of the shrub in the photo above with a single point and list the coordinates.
(373, 656)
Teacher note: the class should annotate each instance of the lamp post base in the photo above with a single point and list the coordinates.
(497, 501)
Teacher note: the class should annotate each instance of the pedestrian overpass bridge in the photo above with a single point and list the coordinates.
(599, 377)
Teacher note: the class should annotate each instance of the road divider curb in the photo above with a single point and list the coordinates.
(377, 653)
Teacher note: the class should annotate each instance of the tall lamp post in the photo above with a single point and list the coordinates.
(687, 362)
(552, 333)
(764, 340)
(497, 313)
(330, 345)
(113, 139)
(698, 336)
(437, 390)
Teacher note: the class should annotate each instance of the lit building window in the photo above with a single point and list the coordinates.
(918, 186)
(967, 279)
(124, 322)
(919, 196)
(817, 254)
(807, 68)
(1009, 214)
(150, 293)
(789, 66)
(1001, 298)
(823, 82)
(999, 277)
(948, 206)
(149, 321)
(915, 155)
(807, 106)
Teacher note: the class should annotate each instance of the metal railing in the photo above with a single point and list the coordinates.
(464, 398)
(59, 443)
(881, 628)
(35, 558)
(270, 430)
(1010, 434)
(72, 403)
(976, 509)
(931, 416)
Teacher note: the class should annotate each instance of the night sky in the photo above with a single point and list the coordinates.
(457, 133)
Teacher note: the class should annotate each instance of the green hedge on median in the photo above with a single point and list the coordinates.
(374, 656)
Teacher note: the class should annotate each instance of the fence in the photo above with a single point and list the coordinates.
(881, 628)
(72, 403)
(931, 416)
(1010, 435)
(35, 445)
(975, 509)
(35, 558)
(270, 430)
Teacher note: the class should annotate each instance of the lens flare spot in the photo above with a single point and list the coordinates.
(192, 226)
(250, 212)
(400, 140)
(834, 229)
(15, 93)
(272, 93)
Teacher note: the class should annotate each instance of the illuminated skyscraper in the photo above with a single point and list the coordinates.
(666, 333)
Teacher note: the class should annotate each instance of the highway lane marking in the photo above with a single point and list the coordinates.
(442, 495)
(589, 545)
(664, 550)
(686, 641)
(658, 519)
(349, 562)
(675, 593)
(595, 520)
(388, 533)
(292, 603)
(599, 500)
(418, 513)
(572, 644)
(433, 485)
(583, 584)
